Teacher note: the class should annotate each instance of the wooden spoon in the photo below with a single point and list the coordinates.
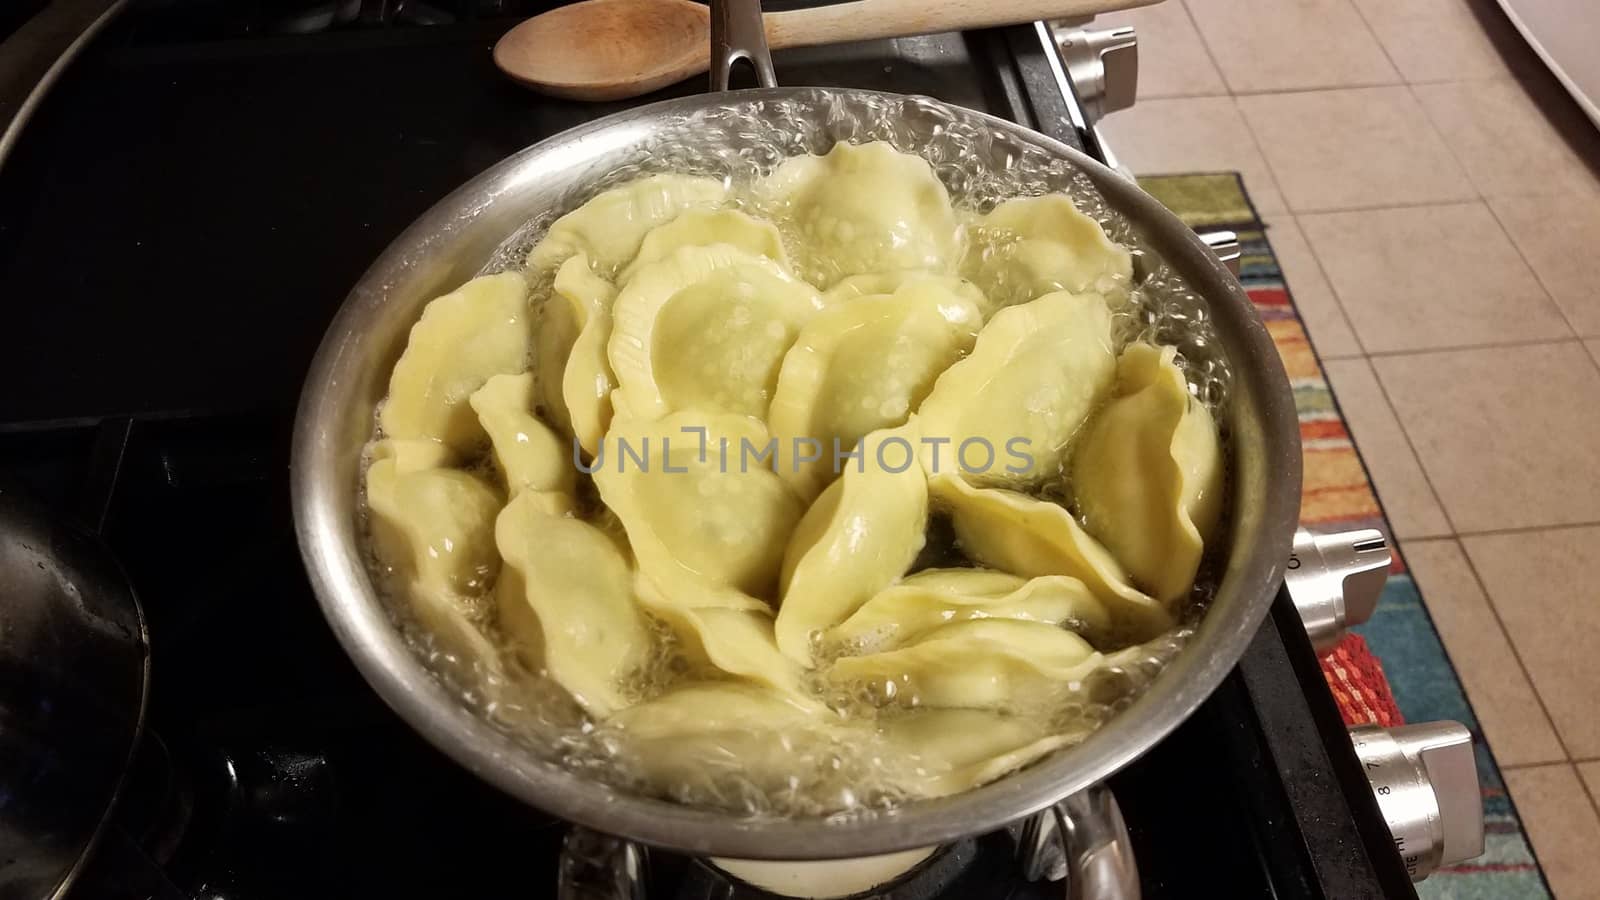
(611, 49)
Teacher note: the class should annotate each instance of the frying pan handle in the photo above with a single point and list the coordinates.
(738, 32)
(1084, 841)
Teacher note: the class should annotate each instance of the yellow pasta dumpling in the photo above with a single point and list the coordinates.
(706, 328)
(434, 528)
(1033, 246)
(737, 642)
(575, 380)
(866, 208)
(1001, 664)
(1026, 536)
(857, 539)
(707, 523)
(565, 600)
(528, 454)
(937, 597)
(1147, 473)
(869, 284)
(609, 228)
(861, 366)
(1006, 413)
(947, 751)
(694, 741)
(702, 228)
(463, 338)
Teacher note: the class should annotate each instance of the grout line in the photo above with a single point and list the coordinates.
(1463, 348)
(1203, 95)
(1380, 207)
(1516, 654)
(1322, 271)
(1383, 48)
(1537, 279)
(1449, 147)
(1320, 89)
(1438, 498)
(1520, 767)
(1206, 46)
(1416, 457)
(1524, 529)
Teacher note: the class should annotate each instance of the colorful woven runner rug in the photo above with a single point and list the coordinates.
(1420, 685)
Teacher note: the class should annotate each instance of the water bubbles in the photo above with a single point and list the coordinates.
(739, 143)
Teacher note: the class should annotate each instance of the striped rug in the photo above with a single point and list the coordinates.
(1338, 495)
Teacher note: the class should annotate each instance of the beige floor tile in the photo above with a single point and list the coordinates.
(1438, 40)
(1173, 61)
(1590, 771)
(1543, 585)
(1509, 436)
(1350, 149)
(1559, 237)
(1594, 350)
(1562, 825)
(1313, 298)
(1412, 509)
(1427, 277)
(1197, 134)
(1507, 143)
(1504, 701)
(1289, 45)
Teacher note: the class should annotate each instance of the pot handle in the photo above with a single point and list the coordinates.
(738, 32)
(1084, 841)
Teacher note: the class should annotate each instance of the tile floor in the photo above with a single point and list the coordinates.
(1434, 199)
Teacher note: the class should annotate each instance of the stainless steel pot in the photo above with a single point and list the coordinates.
(455, 239)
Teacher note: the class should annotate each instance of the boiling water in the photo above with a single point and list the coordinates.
(980, 166)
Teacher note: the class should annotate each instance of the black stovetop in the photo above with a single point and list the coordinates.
(177, 226)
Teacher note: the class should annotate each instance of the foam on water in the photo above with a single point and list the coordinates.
(842, 774)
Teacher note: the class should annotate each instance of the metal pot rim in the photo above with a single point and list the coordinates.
(1265, 472)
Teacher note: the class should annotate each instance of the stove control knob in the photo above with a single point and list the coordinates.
(1335, 580)
(1103, 64)
(1426, 780)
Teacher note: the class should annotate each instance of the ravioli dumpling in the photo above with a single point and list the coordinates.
(463, 338)
(702, 228)
(1001, 664)
(610, 227)
(1034, 375)
(866, 208)
(1031, 246)
(861, 366)
(565, 600)
(575, 380)
(707, 523)
(434, 528)
(706, 328)
(859, 537)
(937, 597)
(1147, 473)
(528, 454)
(1026, 536)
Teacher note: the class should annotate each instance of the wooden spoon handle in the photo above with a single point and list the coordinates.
(862, 20)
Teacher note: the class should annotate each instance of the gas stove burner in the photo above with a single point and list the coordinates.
(599, 867)
(946, 872)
